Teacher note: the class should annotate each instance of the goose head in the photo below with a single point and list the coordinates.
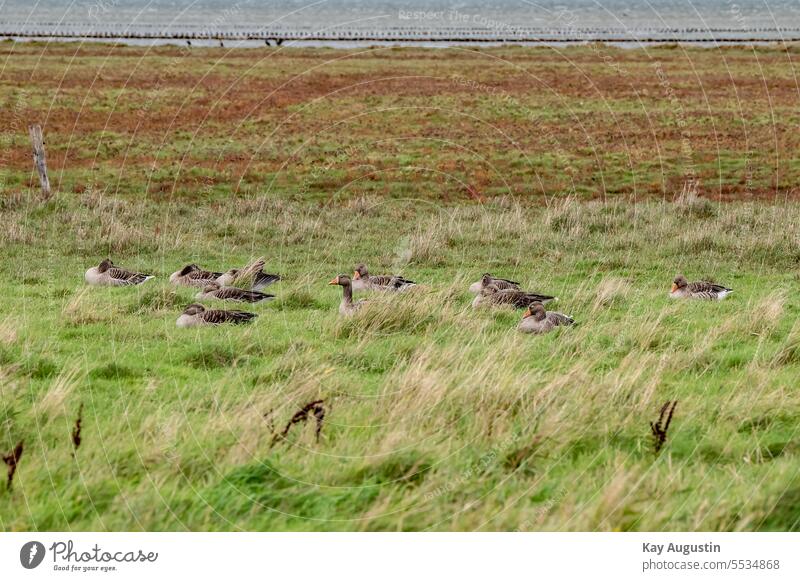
(679, 282)
(486, 280)
(360, 272)
(228, 277)
(105, 265)
(535, 310)
(211, 287)
(189, 268)
(194, 309)
(489, 290)
(341, 280)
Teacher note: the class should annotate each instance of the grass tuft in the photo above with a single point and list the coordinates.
(789, 351)
(213, 356)
(53, 403)
(158, 300)
(391, 314)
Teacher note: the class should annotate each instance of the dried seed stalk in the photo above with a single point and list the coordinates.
(11, 461)
(314, 408)
(659, 429)
(76, 431)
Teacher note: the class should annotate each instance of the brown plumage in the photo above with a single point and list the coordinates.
(193, 275)
(197, 315)
(215, 290)
(487, 280)
(347, 306)
(363, 280)
(519, 299)
(252, 275)
(538, 321)
(683, 289)
(106, 274)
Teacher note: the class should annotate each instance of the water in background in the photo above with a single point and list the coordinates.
(690, 19)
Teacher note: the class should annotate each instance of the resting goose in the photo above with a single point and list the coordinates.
(487, 279)
(197, 315)
(106, 274)
(538, 321)
(254, 274)
(193, 275)
(683, 289)
(214, 290)
(363, 280)
(491, 295)
(347, 306)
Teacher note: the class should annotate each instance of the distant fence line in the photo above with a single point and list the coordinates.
(401, 34)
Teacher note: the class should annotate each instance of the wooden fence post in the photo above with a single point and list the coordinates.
(39, 158)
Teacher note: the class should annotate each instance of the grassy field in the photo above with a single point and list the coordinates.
(559, 168)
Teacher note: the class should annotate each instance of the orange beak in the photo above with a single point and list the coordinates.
(674, 287)
(527, 313)
(334, 281)
(356, 275)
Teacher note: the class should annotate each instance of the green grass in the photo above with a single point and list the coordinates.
(546, 165)
(438, 416)
(595, 121)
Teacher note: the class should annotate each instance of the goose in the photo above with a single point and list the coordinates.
(363, 280)
(487, 279)
(538, 321)
(491, 295)
(197, 315)
(347, 306)
(254, 274)
(683, 289)
(193, 275)
(106, 274)
(214, 290)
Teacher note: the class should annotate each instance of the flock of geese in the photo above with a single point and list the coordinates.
(246, 285)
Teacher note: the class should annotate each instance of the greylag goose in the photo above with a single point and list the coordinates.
(363, 280)
(491, 295)
(683, 289)
(487, 279)
(193, 275)
(106, 274)
(537, 320)
(252, 275)
(197, 315)
(214, 290)
(347, 306)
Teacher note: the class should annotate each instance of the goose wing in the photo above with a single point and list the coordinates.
(399, 281)
(241, 295)
(504, 283)
(702, 286)
(559, 318)
(263, 279)
(537, 298)
(520, 299)
(215, 317)
(514, 297)
(203, 276)
(381, 279)
(126, 276)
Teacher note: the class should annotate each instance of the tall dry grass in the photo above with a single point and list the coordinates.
(437, 415)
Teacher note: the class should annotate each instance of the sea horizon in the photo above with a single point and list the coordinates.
(353, 22)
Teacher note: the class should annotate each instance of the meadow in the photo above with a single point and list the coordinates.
(591, 173)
